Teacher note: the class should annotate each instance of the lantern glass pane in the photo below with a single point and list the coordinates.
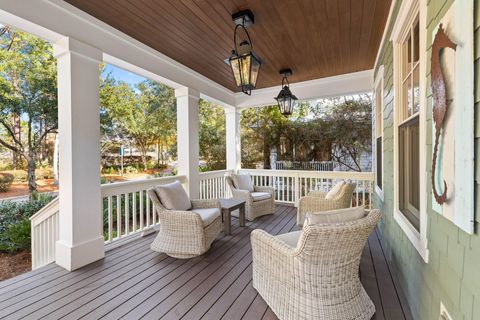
(254, 74)
(245, 63)
(234, 63)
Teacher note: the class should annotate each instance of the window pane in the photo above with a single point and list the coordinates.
(416, 41)
(416, 90)
(379, 162)
(378, 112)
(407, 99)
(409, 171)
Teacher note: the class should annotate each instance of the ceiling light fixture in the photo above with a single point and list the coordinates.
(244, 62)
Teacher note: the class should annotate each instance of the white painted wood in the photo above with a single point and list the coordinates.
(378, 87)
(188, 138)
(345, 84)
(408, 11)
(233, 139)
(213, 184)
(80, 235)
(36, 17)
(44, 234)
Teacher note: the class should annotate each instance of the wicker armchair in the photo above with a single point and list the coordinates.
(253, 208)
(318, 278)
(315, 202)
(184, 234)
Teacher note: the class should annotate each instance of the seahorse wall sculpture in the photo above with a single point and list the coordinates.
(440, 42)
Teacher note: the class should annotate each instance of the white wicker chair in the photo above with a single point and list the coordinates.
(253, 209)
(315, 202)
(183, 234)
(319, 278)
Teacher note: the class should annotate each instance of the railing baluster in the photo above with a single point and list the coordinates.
(119, 216)
(134, 210)
(127, 216)
(141, 210)
(110, 219)
(147, 203)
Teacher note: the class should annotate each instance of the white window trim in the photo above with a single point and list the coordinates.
(379, 85)
(407, 14)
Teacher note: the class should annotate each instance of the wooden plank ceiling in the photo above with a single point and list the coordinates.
(315, 38)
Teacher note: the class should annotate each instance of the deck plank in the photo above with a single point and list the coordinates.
(133, 282)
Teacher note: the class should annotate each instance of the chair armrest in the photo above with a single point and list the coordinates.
(270, 190)
(317, 193)
(203, 204)
(272, 258)
(244, 195)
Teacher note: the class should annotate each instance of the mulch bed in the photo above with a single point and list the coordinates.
(13, 264)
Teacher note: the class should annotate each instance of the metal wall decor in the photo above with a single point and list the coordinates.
(440, 103)
(244, 62)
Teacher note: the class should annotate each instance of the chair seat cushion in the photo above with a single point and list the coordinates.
(208, 215)
(173, 196)
(290, 238)
(259, 196)
(335, 216)
(243, 182)
(335, 191)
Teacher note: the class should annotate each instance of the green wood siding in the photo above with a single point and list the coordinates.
(453, 272)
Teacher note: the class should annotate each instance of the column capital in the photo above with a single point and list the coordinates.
(70, 45)
(232, 110)
(187, 92)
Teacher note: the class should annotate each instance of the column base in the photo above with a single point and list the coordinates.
(77, 256)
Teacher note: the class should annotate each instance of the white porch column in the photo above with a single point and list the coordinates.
(188, 138)
(80, 219)
(232, 119)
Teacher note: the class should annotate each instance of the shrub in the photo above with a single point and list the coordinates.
(15, 223)
(19, 175)
(16, 237)
(44, 173)
(6, 180)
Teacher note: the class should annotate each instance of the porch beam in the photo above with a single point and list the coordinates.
(80, 213)
(188, 146)
(233, 139)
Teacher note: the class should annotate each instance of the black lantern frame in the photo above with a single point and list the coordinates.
(244, 62)
(286, 99)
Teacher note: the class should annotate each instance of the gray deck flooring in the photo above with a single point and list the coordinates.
(133, 282)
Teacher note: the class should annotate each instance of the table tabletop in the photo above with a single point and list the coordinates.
(231, 203)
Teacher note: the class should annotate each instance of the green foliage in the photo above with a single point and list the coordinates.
(16, 237)
(212, 135)
(6, 180)
(337, 129)
(15, 223)
(28, 95)
(145, 115)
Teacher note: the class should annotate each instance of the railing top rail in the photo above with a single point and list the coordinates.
(111, 189)
(213, 174)
(369, 176)
(46, 212)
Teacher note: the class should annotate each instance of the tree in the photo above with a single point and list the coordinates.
(28, 93)
(212, 135)
(145, 114)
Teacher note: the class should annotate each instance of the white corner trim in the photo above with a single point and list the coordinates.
(385, 31)
(406, 12)
(345, 84)
(378, 85)
(418, 240)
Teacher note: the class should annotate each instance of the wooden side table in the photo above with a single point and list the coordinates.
(229, 205)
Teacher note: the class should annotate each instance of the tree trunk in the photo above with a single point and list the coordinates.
(32, 185)
(143, 154)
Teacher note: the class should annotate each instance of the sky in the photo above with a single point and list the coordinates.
(123, 75)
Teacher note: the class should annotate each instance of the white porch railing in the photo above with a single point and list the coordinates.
(44, 234)
(213, 185)
(127, 209)
(304, 165)
(291, 185)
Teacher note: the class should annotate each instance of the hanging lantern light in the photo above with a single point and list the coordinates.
(244, 62)
(286, 99)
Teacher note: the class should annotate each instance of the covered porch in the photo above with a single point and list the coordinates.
(133, 282)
